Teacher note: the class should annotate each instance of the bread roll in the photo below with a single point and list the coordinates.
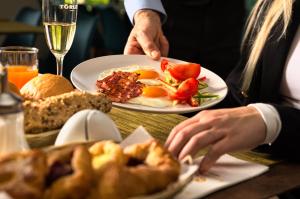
(46, 85)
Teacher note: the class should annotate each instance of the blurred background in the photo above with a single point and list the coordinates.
(102, 29)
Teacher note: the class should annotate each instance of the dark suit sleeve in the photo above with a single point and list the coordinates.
(287, 144)
(196, 2)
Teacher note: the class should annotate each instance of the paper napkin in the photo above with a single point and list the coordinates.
(227, 171)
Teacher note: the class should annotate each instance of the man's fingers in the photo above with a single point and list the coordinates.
(155, 54)
(164, 46)
(148, 45)
(130, 49)
(132, 46)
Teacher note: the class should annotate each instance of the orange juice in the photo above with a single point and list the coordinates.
(20, 75)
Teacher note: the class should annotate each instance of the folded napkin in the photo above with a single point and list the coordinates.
(227, 171)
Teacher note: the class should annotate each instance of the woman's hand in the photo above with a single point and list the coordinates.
(147, 36)
(224, 130)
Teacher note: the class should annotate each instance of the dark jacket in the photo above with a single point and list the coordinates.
(206, 31)
(266, 83)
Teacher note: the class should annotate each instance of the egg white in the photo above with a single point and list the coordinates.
(131, 68)
(158, 102)
(150, 82)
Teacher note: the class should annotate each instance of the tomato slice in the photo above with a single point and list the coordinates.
(163, 64)
(186, 89)
(184, 71)
(202, 79)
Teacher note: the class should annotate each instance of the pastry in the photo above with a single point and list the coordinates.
(70, 173)
(104, 152)
(80, 171)
(153, 165)
(22, 174)
(149, 168)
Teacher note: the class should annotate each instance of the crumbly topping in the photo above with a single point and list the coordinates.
(52, 112)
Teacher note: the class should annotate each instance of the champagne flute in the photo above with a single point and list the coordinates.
(59, 18)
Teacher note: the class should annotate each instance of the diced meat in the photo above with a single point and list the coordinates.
(120, 86)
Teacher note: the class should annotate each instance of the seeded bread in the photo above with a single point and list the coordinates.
(52, 112)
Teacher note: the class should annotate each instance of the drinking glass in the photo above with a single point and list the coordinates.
(21, 63)
(59, 18)
(12, 136)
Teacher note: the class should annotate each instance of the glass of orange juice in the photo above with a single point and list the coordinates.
(21, 63)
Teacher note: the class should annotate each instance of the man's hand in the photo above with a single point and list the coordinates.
(147, 36)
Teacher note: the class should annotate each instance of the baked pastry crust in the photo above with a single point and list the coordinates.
(104, 152)
(52, 112)
(22, 174)
(158, 170)
(149, 168)
(80, 171)
(76, 179)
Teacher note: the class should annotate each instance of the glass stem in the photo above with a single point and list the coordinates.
(59, 64)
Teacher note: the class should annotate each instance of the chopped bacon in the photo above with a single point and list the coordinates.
(120, 86)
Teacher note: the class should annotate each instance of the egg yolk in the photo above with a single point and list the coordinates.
(147, 74)
(154, 91)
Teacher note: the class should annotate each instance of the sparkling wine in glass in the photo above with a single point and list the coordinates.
(59, 18)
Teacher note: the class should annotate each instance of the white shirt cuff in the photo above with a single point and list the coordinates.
(132, 6)
(272, 120)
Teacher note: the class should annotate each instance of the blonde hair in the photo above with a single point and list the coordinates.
(270, 13)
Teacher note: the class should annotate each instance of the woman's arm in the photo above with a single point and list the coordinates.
(222, 130)
(287, 143)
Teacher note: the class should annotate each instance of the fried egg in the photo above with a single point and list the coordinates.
(154, 94)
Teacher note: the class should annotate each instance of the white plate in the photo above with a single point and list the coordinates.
(84, 77)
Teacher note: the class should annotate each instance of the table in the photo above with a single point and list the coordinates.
(13, 27)
(281, 177)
